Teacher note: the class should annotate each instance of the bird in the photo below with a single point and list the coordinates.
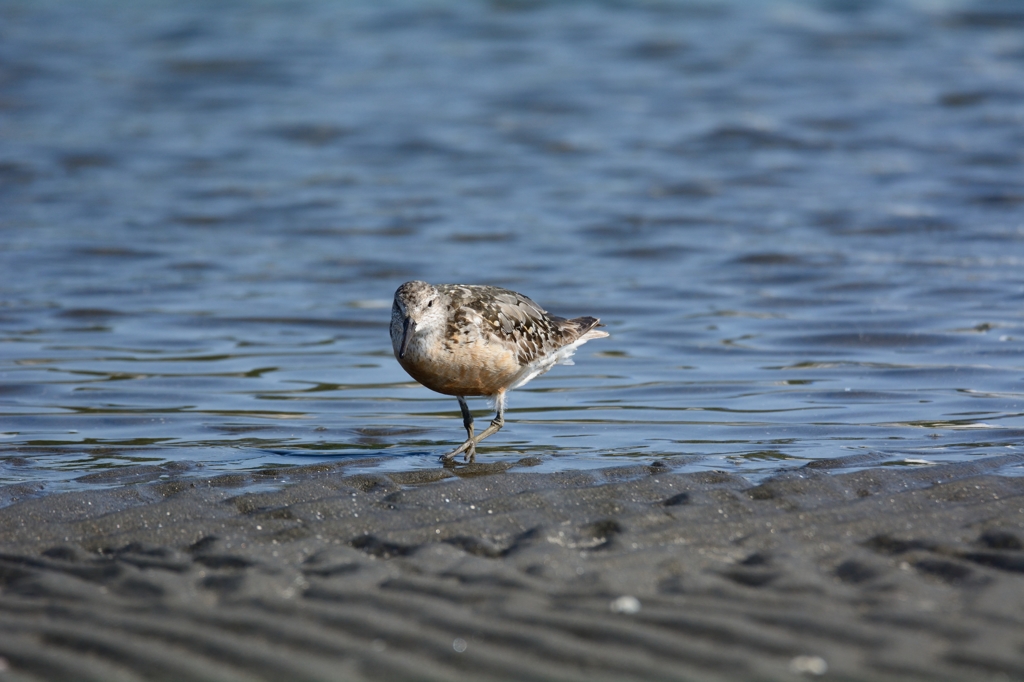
(467, 340)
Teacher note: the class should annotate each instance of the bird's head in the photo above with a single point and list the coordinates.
(418, 307)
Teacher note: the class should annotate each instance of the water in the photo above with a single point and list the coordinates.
(803, 224)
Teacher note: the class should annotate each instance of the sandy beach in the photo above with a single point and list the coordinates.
(491, 572)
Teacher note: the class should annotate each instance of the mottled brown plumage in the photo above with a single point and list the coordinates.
(468, 340)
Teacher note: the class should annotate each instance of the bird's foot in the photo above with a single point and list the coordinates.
(469, 448)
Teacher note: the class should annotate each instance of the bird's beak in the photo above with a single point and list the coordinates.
(408, 329)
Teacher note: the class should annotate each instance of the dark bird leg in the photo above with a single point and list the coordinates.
(467, 418)
(470, 445)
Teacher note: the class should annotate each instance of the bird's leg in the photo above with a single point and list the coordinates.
(470, 445)
(496, 423)
(467, 418)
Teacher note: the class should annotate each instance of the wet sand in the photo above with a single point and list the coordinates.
(491, 572)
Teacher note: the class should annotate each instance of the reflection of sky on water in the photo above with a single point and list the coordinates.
(802, 224)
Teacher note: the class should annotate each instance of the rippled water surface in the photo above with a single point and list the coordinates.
(803, 224)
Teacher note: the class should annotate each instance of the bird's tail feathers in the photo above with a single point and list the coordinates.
(588, 328)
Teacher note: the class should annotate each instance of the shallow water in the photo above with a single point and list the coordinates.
(802, 223)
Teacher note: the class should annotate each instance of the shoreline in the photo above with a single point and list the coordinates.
(494, 572)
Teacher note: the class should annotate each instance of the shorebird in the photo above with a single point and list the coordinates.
(468, 340)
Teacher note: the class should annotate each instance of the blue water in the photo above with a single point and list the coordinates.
(803, 224)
